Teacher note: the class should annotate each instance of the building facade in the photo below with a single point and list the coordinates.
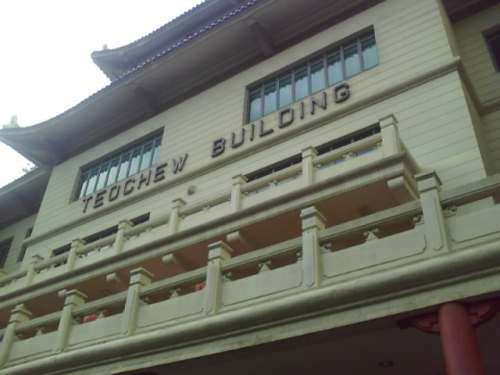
(267, 185)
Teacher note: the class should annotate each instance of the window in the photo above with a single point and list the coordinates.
(493, 41)
(119, 166)
(4, 250)
(350, 58)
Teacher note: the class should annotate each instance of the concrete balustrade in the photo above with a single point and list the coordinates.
(317, 268)
(123, 227)
(174, 220)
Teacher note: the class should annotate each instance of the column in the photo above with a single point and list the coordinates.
(308, 155)
(76, 245)
(174, 221)
(236, 194)
(391, 143)
(312, 223)
(18, 315)
(217, 253)
(31, 272)
(73, 298)
(429, 186)
(123, 227)
(458, 341)
(139, 278)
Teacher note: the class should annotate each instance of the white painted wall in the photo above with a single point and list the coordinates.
(434, 120)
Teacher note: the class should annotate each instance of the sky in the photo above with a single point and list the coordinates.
(45, 47)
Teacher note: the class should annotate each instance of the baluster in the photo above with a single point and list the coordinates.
(73, 299)
(236, 196)
(139, 278)
(312, 222)
(76, 245)
(18, 315)
(391, 143)
(123, 227)
(217, 253)
(30, 274)
(174, 221)
(429, 186)
(308, 170)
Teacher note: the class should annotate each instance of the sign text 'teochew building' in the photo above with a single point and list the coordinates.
(267, 186)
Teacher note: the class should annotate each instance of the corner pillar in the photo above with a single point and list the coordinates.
(308, 156)
(217, 253)
(429, 186)
(139, 278)
(312, 223)
(18, 315)
(73, 299)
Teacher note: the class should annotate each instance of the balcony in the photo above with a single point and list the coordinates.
(204, 270)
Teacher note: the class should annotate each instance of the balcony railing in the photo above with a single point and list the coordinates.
(431, 239)
(314, 170)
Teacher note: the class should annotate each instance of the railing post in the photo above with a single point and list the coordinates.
(217, 253)
(72, 298)
(73, 253)
(429, 186)
(312, 222)
(236, 194)
(123, 227)
(308, 155)
(18, 315)
(139, 278)
(31, 272)
(391, 143)
(174, 221)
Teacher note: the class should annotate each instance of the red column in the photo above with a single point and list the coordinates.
(458, 340)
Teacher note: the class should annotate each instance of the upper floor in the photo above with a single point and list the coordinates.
(229, 133)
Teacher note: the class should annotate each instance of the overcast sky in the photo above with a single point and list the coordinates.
(45, 64)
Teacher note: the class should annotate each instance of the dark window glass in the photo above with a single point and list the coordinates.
(270, 97)
(285, 91)
(92, 181)
(352, 60)
(124, 164)
(113, 171)
(4, 250)
(335, 74)
(318, 76)
(134, 162)
(493, 40)
(103, 175)
(370, 54)
(156, 152)
(255, 105)
(357, 54)
(147, 154)
(85, 181)
(301, 83)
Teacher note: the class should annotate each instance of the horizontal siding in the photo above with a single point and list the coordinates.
(426, 114)
(475, 55)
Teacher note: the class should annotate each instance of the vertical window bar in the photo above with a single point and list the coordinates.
(360, 53)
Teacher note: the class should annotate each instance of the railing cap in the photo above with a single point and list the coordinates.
(389, 120)
(428, 180)
(219, 250)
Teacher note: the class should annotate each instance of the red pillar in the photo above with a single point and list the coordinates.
(458, 340)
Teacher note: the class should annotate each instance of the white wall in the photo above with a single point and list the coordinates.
(434, 120)
(17, 231)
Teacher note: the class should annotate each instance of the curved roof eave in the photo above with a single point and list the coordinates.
(113, 62)
(34, 142)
